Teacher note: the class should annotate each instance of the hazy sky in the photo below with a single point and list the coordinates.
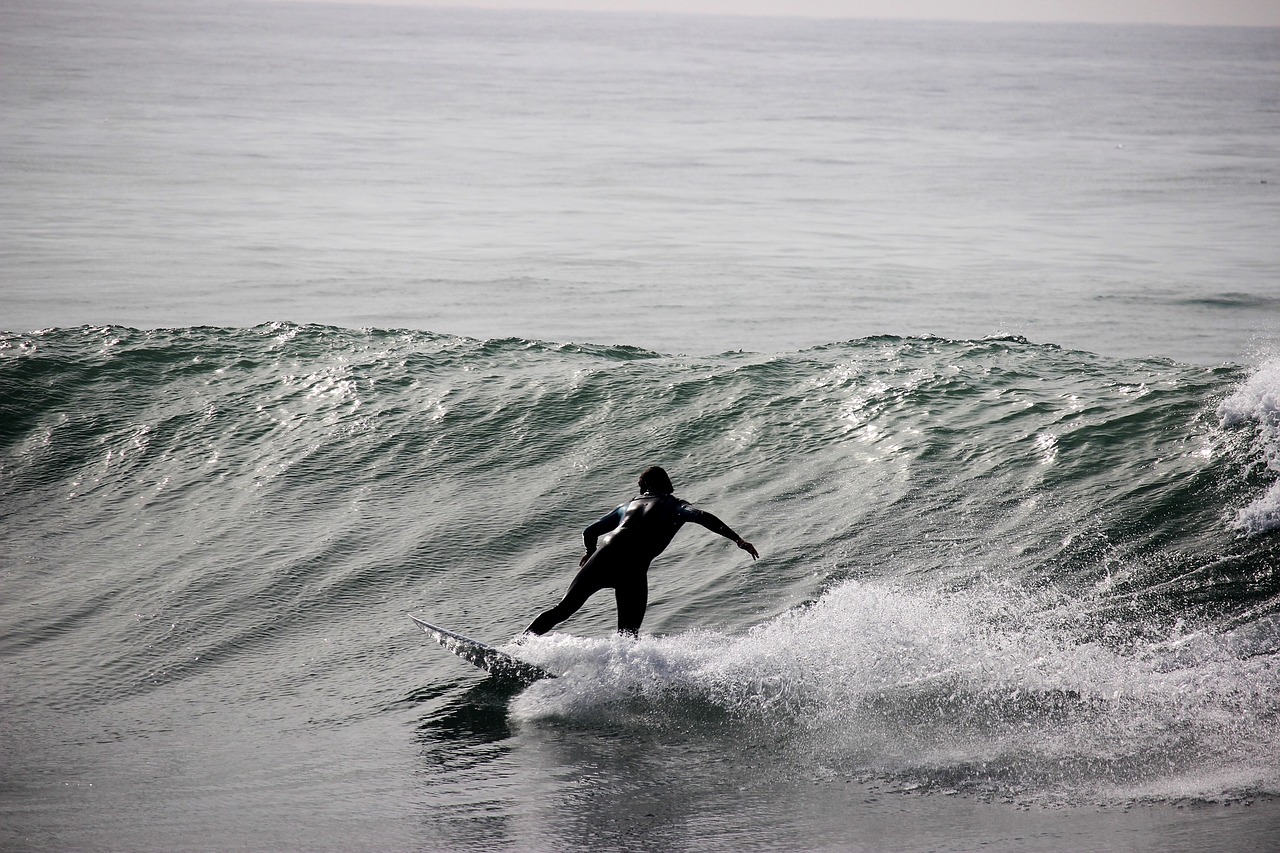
(1210, 12)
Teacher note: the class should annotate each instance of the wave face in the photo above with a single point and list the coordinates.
(991, 566)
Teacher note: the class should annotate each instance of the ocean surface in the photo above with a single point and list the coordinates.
(319, 315)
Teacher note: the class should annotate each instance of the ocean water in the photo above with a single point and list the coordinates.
(997, 571)
(683, 184)
(322, 315)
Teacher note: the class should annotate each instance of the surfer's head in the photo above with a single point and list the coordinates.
(655, 481)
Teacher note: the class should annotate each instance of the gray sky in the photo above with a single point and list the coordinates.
(1208, 12)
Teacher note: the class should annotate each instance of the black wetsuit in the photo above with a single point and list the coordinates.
(642, 529)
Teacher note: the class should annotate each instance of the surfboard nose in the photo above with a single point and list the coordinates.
(483, 656)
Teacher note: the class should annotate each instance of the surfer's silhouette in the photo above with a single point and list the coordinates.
(640, 530)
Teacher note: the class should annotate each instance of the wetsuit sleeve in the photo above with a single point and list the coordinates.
(707, 520)
(601, 527)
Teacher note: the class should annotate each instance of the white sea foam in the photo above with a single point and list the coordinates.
(1257, 402)
(971, 691)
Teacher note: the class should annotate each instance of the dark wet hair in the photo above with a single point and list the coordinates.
(655, 481)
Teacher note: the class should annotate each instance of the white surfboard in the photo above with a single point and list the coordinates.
(486, 657)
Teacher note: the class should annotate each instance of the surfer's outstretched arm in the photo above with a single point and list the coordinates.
(715, 525)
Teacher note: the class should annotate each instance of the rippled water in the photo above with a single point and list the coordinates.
(350, 312)
(992, 570)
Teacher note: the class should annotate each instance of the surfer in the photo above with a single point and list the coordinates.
(640, 530)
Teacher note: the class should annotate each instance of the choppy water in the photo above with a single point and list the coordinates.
(991, 568)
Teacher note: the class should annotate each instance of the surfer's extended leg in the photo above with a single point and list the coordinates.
(585, 584)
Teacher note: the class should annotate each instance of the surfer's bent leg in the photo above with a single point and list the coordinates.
(586, 583)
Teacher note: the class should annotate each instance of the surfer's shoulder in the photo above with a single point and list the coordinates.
(683, 507)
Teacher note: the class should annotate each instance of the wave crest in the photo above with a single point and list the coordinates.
(1256, 403)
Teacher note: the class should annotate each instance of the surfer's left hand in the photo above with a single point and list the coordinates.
(749, 548)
